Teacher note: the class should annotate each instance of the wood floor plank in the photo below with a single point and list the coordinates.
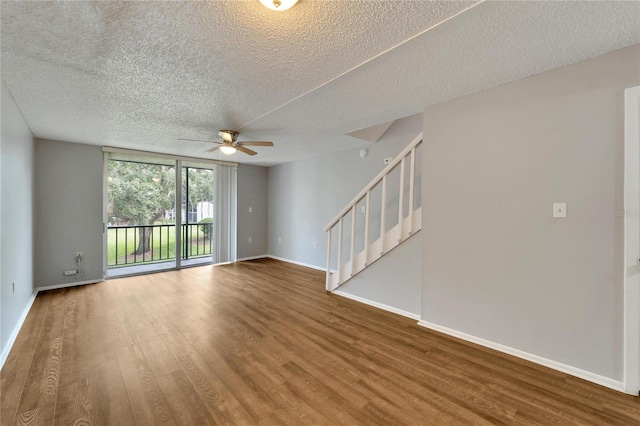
(37, 403)
(262, 343)
(148, 404)
(12, 383)
(186, 407)
(205, 382)
(253, 399)
(32, 327)
(73, 404)
(18, 364)
(38, 397)
(212, 391)
(88, 344)
(160, 359)
(110, 404)
(546, 394)
(74, 309)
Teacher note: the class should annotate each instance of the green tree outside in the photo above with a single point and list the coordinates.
(142, 193)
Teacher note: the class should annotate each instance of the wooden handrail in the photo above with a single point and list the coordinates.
(375, 181)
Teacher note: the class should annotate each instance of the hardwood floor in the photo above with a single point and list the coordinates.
(261, 343)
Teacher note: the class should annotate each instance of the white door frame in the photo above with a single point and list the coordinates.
(631, 379)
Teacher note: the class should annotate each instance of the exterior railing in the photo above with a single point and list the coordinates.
(136, 244)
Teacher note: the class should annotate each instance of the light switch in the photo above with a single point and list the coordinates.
(560, 210)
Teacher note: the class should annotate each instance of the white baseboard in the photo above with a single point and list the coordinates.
(568, 369)
(65, 285)
(306, 265)
(377, 305)
(262, 256)
(16, 330)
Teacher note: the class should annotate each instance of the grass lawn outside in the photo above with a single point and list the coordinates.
(162, 245)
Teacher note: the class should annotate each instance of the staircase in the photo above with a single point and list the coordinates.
(347, 260)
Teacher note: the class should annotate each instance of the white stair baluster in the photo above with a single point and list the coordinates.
(412, 177)
(339, 280)
(353, 241)
(366, 231)
(328, 284)
(401, 200)
(383, 212)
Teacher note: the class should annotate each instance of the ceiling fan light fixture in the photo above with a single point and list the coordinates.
(227, 149)
(278, 5)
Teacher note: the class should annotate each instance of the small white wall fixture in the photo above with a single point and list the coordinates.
(631, 214)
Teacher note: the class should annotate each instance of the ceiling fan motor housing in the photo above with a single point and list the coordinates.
(229, 136)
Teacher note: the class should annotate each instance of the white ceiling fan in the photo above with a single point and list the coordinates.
(228, 143)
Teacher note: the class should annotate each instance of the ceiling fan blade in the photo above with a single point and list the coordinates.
(215, 148)
(255, 143)
(197, 140)
(245, 150)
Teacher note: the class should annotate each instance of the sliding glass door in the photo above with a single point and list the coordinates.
(165, 213)
(140, 231)
(198, 232)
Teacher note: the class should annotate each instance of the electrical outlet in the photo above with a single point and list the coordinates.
(69, 272)
(250, 240)
(79, 255)
(315, 245)
(279, 240)
(363, 209)
(250, 209)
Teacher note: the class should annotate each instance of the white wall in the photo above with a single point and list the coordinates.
(16, 219)
(68, 211)
(394, 280)
(496, 265)
(252, 193)
(305, 195)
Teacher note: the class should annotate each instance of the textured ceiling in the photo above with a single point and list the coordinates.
(141, 75)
